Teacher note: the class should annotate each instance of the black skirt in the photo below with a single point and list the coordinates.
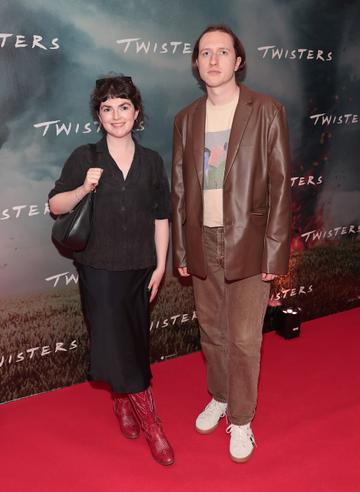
(116, 308)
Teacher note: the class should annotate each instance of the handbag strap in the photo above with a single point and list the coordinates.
(93, 155)
(94, 161)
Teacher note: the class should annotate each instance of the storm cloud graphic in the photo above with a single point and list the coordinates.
(53, 85)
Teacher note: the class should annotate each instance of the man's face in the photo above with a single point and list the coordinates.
(217, 61)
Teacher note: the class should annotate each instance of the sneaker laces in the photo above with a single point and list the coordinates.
(242, 432)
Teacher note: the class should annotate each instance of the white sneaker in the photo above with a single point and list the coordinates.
(242, 442)
(208, 419)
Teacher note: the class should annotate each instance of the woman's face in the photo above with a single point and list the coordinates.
(117, 116)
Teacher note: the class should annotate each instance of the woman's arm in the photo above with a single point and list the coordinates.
(161, 245)
(62, 203)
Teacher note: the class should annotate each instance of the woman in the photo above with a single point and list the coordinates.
(124, 261)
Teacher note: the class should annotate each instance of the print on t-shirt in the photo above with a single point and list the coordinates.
(216, 144)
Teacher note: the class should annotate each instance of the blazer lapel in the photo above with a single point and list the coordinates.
(241, 118)
(198, 138)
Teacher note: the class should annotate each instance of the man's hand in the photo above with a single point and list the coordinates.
(183, 272)
(268, 277)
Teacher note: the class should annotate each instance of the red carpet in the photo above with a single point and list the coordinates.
(307, 427)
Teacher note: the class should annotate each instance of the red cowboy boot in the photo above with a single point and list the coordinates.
(123, 409)
(144, 407)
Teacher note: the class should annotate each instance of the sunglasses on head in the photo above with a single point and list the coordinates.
(125, 78)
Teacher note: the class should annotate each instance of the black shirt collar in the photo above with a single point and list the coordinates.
(101, 146)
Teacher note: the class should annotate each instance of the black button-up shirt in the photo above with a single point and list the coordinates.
(122, 235)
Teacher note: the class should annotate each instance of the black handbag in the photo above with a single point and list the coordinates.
(72, 230)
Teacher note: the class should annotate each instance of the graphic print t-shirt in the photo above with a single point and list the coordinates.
(217, 132)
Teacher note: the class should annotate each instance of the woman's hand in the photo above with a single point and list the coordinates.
(154, 283)
(64, 202)
(92, 178)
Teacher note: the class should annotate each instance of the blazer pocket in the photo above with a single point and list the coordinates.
(260, 211)
(259, 217)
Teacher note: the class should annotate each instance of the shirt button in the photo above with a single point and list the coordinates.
(123, 188)
(122, 208)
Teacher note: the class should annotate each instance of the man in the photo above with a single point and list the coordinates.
(230, 198)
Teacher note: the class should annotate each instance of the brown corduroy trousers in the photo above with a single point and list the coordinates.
(231, 316)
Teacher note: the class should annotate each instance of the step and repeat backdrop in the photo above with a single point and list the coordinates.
(303, 53)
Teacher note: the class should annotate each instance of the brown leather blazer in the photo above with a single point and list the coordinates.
(256, 194)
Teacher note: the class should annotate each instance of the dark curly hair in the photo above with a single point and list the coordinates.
(112, 87)
(238, 47)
